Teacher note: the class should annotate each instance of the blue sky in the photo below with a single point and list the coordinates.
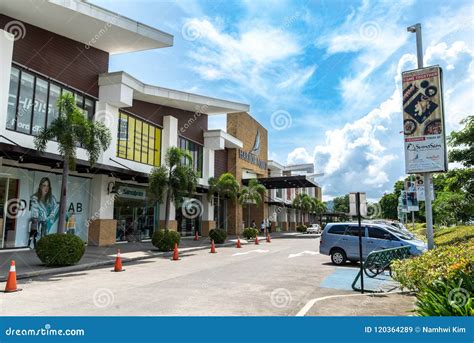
(322, 76)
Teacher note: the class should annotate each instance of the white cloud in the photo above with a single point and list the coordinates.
(299, 155)
(256, 57)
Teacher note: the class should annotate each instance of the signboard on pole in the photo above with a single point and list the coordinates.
(402, 201)
(410, 191)
(423, 121)
(353, 204)
(420, 188)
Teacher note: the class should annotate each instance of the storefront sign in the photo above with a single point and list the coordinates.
(131, 192)
(423, 121)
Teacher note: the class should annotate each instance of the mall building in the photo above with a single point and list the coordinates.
(64, 47)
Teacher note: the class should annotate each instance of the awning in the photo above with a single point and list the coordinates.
(26, 155)
(282, 182)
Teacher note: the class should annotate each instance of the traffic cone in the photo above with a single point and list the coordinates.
(213, 247)
(175, 252)
(256, 240)
(118, 263)
(11, 281)
(269, 240)
(196, 236)
(238, 243)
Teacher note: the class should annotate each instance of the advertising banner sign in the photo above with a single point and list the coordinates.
(420, 188)
(353, 207)
(402, 201)
(412, 201)
(423, 121)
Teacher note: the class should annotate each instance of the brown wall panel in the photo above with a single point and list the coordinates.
(60, 58)
(220, 162)
(190, 125)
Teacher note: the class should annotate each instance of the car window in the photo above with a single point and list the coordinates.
(375, 232)
(337, 229)
(354, 231)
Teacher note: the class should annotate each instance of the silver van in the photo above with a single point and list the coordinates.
(341, 241)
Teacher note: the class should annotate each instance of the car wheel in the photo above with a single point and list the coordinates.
(338, 257)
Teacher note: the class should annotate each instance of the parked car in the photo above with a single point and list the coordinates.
(341, 241)
(313, 228)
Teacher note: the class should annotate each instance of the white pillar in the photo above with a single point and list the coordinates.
(169, 138)
(108, 114)
(208, 164)
(101, 203)
(6, 56)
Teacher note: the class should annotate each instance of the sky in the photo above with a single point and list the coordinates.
(322, 76)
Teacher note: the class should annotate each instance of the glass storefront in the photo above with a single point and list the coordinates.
(189, 216)
(136, 215)
(29, 206)
(32, 101)
(196, 151)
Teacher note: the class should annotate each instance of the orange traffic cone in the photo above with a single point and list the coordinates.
(269, 240)
(213, 247)
(196, 236)
(11, 281)
(175, 252)
(238, 243)
(256, 240)
(118, 263)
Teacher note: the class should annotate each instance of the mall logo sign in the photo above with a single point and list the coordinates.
(252, 155)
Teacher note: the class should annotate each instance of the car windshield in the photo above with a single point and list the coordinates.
(400, 234)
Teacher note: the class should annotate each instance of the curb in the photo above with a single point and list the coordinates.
(80, 267)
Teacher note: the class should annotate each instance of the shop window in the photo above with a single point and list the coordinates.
(196, 151)
(32, 101)
(138, 140)
(279, 193)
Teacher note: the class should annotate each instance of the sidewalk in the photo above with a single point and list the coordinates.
(29, 265)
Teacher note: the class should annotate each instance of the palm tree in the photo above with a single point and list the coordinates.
(296, 203)
(306, 205)
(71, 130)
(318, 208)
(251, 194)
(173, 180)
(226, 186)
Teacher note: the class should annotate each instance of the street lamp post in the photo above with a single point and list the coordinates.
(426, 176)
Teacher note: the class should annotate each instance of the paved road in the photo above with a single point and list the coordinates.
(260, 280)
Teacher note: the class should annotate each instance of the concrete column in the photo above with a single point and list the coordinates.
(108, 114)
(208, 164)
(169, 138)
(102, 228)
(208, 220)
(6, 55)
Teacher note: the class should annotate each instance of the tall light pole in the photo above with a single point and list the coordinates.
(426, 176)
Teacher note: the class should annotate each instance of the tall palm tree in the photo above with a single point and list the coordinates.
(251, 194)
(173, 180)
(296, 203)
(306, 205)
(71, 130)
(318, 207)
(226, 186)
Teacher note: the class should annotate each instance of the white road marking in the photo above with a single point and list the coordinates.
(311, 303)
(302, 253)
(260, 251)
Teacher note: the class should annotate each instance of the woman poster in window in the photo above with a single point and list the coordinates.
(44, 207)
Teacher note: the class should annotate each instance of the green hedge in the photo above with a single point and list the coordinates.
(218, 235)
(165, 240)
(301, 228)
(60, 249)
(443, 263)
(250, 233)
(454, 235)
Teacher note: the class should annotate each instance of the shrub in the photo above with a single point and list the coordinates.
(60, 249)
(164, 240)
(454, 235)
(250, 233)
(450, 298)
(444, 264)
(301, 228)
(218, 235)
